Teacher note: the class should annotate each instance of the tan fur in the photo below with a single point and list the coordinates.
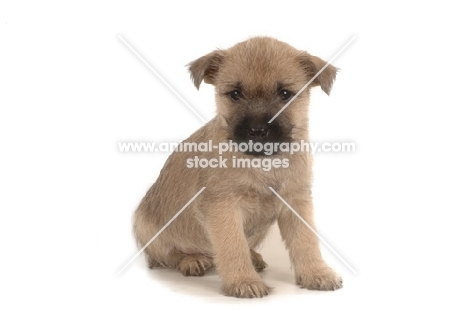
(231, 217)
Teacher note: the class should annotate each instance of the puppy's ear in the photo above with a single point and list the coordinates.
(206, 68)
(312, 65)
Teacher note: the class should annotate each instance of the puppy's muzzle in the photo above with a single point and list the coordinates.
(257, 130)
(258, 133)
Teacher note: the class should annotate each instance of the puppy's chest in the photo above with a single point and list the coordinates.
(259, 212)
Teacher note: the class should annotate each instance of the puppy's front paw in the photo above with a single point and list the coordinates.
(321, 278)
(246, 289)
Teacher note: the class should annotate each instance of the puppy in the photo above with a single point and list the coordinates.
(224, 225)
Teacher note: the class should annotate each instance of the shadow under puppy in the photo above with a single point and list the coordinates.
(224, 225)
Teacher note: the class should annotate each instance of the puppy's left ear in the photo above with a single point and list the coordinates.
(312, 65)
(206, 68)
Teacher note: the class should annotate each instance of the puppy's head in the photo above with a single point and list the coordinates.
(254, 80)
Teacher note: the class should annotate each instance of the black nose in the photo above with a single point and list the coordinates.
(258, 132)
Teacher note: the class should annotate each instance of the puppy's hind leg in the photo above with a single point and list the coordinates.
(257, 261)
(187, 264)
(195, 264)
(171, 260)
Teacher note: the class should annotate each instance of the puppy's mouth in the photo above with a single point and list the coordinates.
(259, 138)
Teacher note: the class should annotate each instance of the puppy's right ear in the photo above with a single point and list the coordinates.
(312, 65)
(206, 68)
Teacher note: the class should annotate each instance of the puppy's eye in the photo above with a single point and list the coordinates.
(285, 94)
(235, 95)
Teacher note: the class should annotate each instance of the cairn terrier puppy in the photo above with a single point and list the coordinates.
(229, 219)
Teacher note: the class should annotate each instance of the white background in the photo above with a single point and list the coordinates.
(70, 90)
